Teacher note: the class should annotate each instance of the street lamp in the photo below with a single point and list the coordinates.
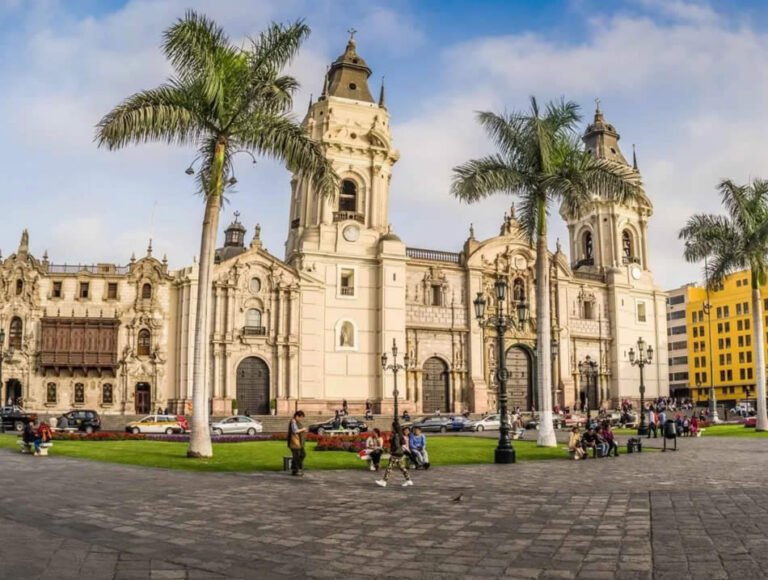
(554, 349)
(644, 357)
(504, 453)
(394, 367)
(707, 308)
(588, 369)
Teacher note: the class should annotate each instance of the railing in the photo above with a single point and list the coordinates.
(433, 255)
(340, 216)
(254, 330)
(93, 269)
(632, 260)
(295, 223)
(584, 262)
(347, 290)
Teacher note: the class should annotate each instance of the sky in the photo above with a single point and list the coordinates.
(685, 81)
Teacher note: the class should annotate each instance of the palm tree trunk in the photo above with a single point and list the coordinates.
(543, 332)
(759, 336)
(200, 438)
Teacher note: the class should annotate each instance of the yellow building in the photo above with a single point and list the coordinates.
(720, 341)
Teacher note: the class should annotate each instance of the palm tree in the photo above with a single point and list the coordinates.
(222, 99)
(737, 241)
(540, 160)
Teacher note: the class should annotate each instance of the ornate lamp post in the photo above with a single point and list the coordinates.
(504, 453)
(3, 357)
(588, 369)
(707, 308)
(554, 351)
(643, 357)
(394, 367)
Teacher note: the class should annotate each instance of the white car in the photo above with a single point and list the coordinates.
(491, 422)
(236, 425)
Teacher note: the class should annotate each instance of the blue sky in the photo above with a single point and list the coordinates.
(685, 81)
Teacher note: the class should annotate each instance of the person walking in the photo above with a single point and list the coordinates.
(296, 435)
(651, 423)
(396, 457)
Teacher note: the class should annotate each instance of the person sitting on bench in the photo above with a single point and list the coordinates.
(575, 448)
(590, 440)
(608, 440)
(418, 446)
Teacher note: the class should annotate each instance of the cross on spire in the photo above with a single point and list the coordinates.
(237, 215)
(352, 33)
(597, 104)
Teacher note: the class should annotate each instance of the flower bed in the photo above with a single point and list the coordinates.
(99, 436)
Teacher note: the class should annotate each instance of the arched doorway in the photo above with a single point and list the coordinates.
(253, 386)
(435, 386)
(520, 381)
(143, 401)
(13, 392)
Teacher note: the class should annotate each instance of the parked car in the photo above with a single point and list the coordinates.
(80, 420)
(168, 424)
(351, 423)
(14, 418)
(236, 425)
(488, 423)
(459, 421)
(435, 424)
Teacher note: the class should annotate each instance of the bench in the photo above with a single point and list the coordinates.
(336, 432)
(30, 447)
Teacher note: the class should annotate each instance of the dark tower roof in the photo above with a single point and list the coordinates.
(348, 75)
(602, 140)
(234, 241)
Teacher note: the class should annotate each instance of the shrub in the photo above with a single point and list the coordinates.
(99, 436)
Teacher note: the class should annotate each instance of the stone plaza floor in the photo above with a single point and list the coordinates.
(701, 512)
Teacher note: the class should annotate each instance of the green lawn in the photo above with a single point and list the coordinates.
(267, 455)
(714, 431)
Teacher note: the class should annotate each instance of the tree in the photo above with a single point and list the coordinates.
(732, 242)
(540, 160)
(222, 99)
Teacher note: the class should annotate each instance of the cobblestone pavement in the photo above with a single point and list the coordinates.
(699, 513)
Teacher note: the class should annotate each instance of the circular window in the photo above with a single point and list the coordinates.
(353, 135)
(352, 86)
(255, 285)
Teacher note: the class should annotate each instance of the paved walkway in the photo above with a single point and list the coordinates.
(699, 513)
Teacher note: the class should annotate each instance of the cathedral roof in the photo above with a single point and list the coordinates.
(348, 75)
(602, 140)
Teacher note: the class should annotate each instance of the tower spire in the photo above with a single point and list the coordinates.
(324, 94)
(634, 157)
(309, 108)
(382, 104)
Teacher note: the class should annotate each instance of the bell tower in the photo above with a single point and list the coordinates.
(612, 235)
(346, 242)
(354, 131)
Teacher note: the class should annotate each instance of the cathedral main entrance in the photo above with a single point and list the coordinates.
(520, 381)
(253, 386)
(13, 392)
(435, 386)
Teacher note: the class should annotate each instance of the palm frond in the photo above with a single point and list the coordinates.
(163, 114)
(479, 178)
(276, 46)
(704, 234)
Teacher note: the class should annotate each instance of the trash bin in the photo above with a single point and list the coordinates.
(670, 429)
(634, 445)
(287, 463)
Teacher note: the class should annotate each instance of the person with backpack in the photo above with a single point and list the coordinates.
(396, 457)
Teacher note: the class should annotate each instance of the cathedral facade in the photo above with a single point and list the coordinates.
(307, 331)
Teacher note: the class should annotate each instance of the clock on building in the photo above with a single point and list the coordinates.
(635, 271)
(351, 233)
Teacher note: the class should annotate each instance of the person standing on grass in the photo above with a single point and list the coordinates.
(296, 436)
(396, 457)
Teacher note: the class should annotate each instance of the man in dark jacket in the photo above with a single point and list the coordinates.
(396, 457)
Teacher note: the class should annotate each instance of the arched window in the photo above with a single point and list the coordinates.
(144, 342)
(348, 196)
(518, 290)
(253, 318)
(587, 245)
(19, 286)
(50, 393)
(146, 291)
(15, 334)
(626, 245)
(79, 393)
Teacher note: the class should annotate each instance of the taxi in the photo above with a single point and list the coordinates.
(168, 424)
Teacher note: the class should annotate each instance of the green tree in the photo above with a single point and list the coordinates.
(732, 242)
(222, 99)
(540, 160)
